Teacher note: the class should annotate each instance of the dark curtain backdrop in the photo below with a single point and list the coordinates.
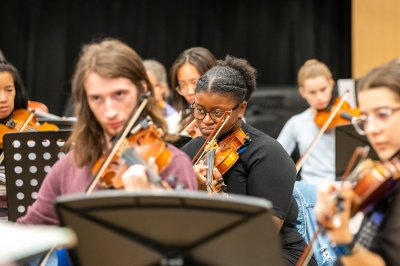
(42, 38)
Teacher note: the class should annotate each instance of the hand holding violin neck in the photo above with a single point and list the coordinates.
(131, 157)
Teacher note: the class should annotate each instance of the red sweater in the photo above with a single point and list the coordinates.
(66, 178)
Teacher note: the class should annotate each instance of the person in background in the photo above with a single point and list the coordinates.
(377, 241)
(2, 57)
(185, 71)
(315, 86)
(12, 92)
(12, 97)
(158, 79)
(263, 168)
(107, 84)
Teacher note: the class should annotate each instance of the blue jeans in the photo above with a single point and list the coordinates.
(305, 195)
(59, 257)
(36, 260)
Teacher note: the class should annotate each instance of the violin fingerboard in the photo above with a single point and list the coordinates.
(131, 156)
(209, 161)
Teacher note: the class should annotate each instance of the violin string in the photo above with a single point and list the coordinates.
(209, 161)
(117, 145)
(131, 156)
(207, 147)
(303, 158)
(206, 142)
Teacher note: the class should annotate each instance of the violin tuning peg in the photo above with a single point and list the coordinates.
(223, 188)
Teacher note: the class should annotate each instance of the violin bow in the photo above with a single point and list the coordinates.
(214, 134)
(303, 158)
(359, 152)
(117, 145)
(186, 129)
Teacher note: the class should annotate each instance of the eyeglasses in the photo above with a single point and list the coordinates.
(379, 116)
(215, 115)
(184, 88)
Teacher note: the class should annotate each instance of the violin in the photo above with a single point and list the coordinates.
(226, 150)
(222, 155)
(374, 181)
(343, 116)
(107, 169)
(191, 130)
(336, 113)
(137, 148)
(23, 120)
(37, 106)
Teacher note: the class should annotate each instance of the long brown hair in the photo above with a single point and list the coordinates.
(112, 59)
(387, 75)
(201, 58)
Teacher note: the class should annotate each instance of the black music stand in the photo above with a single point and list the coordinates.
(170, 228)
(347, 140)
(28, 157)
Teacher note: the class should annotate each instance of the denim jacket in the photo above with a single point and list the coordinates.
(305, 195)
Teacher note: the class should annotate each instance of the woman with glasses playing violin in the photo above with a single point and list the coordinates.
(108, 80)
(263, 168)
(377, 241)
(185, 71)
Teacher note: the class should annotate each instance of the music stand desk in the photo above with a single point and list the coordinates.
(170, 228)
(28, 157)
(346, 141)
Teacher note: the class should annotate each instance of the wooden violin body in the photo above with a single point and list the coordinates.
(374, 182)
(341, 118)
(226, 152)
(23, 120)
(147, 143)
(223, 155)
(34, 105)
